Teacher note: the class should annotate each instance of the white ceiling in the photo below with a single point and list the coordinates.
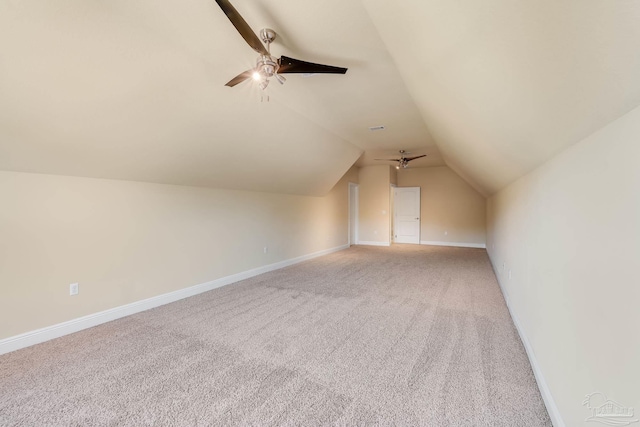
(135, 89)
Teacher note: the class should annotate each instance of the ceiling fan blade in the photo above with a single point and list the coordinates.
(243, 28)
(290, 65)
(246, 75)
(408, 159)
(389, 160)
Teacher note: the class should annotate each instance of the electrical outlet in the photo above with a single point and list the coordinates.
(266, 249)
(74, 289)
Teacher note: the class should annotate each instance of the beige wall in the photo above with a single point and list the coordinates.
(450, 209)
(126, 241)
(569, 232)
(373, 203)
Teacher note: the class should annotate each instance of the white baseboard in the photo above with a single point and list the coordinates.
(361, 242)
(55, 331)
(454, 244)
(547, 397)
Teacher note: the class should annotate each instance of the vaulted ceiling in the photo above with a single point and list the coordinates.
(135, 90)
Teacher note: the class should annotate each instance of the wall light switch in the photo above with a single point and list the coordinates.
(265, 249)
(74, 289)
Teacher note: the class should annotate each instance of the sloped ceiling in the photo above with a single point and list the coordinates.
(504, 85)
(135, 89)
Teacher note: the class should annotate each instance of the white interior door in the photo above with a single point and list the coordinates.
(407, 215)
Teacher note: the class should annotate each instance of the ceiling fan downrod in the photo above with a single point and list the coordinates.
(266, 65)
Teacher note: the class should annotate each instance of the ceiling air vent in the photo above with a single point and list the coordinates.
(376, 128)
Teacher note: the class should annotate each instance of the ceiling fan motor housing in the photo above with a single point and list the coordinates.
(266, 66)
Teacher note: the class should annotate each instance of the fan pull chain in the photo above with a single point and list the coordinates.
(264, 95)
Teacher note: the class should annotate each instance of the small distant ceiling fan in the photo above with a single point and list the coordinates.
(268, 66)
(403, 161)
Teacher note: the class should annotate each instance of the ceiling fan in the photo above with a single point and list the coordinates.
(403, 161)
(268, 66)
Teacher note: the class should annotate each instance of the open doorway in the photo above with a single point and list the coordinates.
(353, 214)
(392, 210)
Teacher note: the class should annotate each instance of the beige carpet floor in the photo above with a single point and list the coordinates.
(407, 335)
